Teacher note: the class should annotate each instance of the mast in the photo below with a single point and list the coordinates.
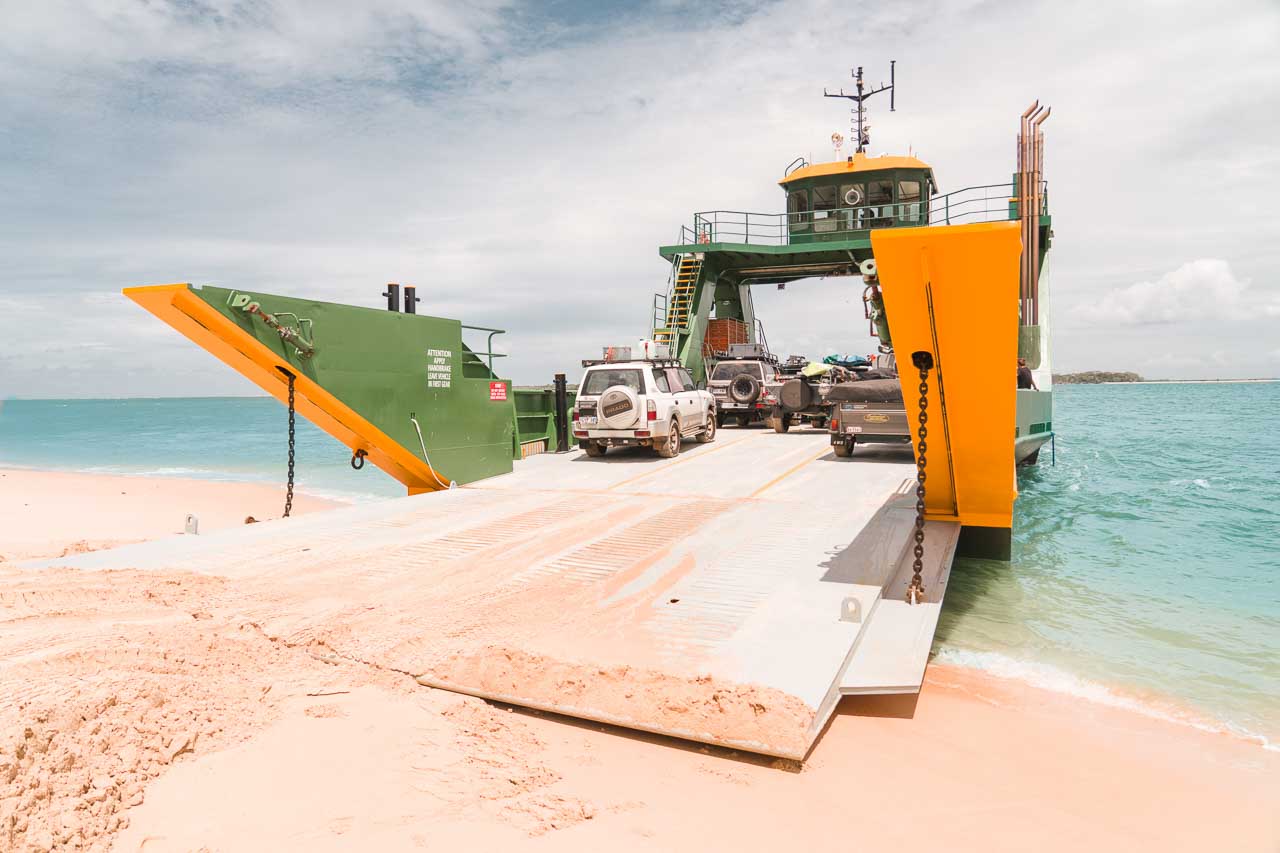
(861, 129)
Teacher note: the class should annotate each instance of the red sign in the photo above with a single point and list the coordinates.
(498, 391)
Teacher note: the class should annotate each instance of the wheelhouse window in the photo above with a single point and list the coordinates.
(825, 202)
(853, 195)
(880, 192)
(798, 210)
(909, 201)
(880, 197)
(601, 378)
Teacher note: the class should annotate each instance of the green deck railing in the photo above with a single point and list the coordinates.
(986, 203)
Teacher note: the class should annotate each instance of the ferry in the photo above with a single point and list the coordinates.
(757, 577)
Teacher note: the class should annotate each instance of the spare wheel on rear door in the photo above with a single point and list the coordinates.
(619, 407)
(744, 388)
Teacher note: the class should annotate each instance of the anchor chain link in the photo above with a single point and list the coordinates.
(923, 361)
(288, 494)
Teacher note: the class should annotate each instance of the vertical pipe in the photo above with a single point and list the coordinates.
(411, 299)
(1039, 198)
(1033, 286)
(1024, 201)
(562, 414)
(393, 297)
(1029, 215)
(1022, 222)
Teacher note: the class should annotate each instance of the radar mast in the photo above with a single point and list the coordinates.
(860, 128)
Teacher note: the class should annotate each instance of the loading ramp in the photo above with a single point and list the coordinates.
(729, 596)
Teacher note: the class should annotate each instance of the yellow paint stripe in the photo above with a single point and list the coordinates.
(178, 306)
(664, 468)
(785, 474)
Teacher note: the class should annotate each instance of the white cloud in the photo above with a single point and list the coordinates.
(1198, 291)
(275, 42)
(524, 180)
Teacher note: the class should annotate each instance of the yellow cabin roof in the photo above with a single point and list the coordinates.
(858, 163)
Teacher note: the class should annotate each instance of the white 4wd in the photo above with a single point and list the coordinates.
(650, 403)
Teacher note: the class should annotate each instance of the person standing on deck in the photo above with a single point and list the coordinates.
(1025, 379)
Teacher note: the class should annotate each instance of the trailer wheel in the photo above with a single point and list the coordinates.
(782, 423)
(844, 449)
(594, 449)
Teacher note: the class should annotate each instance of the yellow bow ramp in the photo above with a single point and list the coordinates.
(952, 291)
(181, 308)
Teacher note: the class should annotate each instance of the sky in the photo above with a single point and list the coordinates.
(520, 163)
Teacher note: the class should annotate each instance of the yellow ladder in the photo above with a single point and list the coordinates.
(683, 285)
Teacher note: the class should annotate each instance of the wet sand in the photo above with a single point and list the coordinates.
(134, 713)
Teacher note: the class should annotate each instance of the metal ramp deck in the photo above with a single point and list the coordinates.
(700, 597)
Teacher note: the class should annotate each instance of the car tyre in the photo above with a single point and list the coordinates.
(844, 449)
(744, 389)
(670, 446)
(744, 420)
(594, 449)
(708, 434)
(781, 423)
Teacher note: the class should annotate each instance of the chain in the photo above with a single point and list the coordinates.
(923, 361)
(288, 494)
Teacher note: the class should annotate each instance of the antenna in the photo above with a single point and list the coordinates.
(861, 129)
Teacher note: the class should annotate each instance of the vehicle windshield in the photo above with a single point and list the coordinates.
(725, 371)
(601, 378)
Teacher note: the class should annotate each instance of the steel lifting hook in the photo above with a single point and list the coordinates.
(357, 459)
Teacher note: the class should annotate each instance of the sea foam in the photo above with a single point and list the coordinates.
(1047, 677)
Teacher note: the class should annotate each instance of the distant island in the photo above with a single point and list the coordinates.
(1094, 377)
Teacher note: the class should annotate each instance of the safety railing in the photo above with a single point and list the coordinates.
(659, 317)
(488, 344)
(987, 203)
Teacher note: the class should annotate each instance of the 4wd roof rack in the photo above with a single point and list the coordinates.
(724, 356)
(659, 362)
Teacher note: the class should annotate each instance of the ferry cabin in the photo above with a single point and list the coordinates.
(835, 201)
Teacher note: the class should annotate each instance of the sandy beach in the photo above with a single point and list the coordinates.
(48, 513)
(135, 714)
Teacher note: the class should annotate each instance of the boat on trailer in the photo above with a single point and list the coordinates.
(730, 595)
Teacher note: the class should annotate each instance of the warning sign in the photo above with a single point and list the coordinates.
(497, 391)
(439, 368)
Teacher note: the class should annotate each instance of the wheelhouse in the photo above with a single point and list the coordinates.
(836, 201)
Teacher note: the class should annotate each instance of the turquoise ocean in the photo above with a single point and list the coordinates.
(1146, 560)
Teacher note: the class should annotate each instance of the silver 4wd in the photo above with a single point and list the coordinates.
(739, 381)
(647, 403)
